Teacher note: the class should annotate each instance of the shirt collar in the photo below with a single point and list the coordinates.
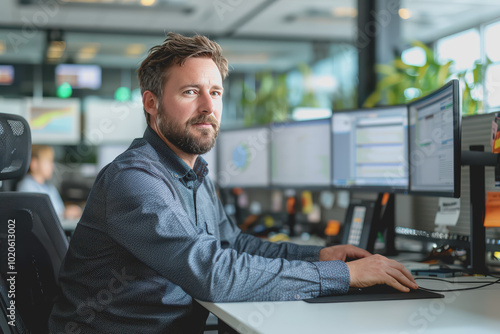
(175, 165)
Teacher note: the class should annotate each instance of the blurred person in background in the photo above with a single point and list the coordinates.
(37, 181)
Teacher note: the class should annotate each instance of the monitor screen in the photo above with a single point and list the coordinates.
(435, 143)
(300, 154)
(113, 122)
(79, 75)
(243, 157)
(107, 153)
(14, 106)
(370, 149)
(6, 75)
(54, 121)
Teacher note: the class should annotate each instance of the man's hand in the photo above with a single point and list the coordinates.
(342, 252)
(377, 269)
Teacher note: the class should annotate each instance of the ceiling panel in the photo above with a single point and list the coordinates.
(432, 19)
(325, 19)
(18, 46)
(207, 17)
(247, 55)
(111, 50)
(257, 34)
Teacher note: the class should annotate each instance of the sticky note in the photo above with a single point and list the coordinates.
(492, 213)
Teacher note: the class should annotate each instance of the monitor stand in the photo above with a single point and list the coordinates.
(384, 223)
(477, 159)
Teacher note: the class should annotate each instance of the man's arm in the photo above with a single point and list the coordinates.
(243, 242)
(366, 271)
(253, 245)
(145, 217)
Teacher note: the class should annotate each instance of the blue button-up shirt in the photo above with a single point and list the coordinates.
(154, 237)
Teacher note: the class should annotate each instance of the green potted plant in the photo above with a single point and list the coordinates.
(269, 102)
(397, 77)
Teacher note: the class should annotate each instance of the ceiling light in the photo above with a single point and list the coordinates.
(404, 13)
(134, 50)
(88, 52)
(56, 50)
(148, 2)
(345, 12)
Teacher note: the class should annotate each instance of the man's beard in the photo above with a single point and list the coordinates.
(184, 140)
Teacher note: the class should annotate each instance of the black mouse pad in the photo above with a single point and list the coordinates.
(375, 293)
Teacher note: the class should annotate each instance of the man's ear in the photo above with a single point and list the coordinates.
(149, 101)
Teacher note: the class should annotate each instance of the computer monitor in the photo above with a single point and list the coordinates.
(7, 75)
(300, 154)
(370, 149)
(108, 152)
(243, 158)
(14, 106)
(434, 138)
(54, 121)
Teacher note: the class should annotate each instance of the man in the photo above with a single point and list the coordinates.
(36, 181)
(154, 237)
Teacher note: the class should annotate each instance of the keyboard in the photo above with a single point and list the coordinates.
(375, 293)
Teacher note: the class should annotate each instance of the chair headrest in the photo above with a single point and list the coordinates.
(15, 146)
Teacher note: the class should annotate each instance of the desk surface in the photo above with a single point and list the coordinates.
(474, 311)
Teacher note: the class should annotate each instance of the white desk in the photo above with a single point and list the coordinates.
(463, 312)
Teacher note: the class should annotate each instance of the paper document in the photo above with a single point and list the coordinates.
(448, 211)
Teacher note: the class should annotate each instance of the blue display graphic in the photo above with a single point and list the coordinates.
(241, 157)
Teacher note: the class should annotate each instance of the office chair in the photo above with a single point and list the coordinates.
(40, 242)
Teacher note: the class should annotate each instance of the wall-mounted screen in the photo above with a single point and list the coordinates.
(107, 153)
(54, 121)
(6, 75)
(14, 106)
(79, 75)
(112, 122)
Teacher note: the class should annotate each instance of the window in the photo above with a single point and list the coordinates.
(492, 73)
(463, 49)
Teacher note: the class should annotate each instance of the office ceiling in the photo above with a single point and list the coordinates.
(255, 34)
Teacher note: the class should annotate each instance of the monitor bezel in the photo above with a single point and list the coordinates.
(457, 141)
(277, 125)
(365, 188)
(219, 158)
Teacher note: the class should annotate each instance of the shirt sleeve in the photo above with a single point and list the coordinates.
(233, 237)
(145, 216)
(253, 245)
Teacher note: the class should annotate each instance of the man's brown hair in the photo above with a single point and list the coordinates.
(175, 50)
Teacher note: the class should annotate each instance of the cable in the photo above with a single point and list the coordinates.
(462, 282)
